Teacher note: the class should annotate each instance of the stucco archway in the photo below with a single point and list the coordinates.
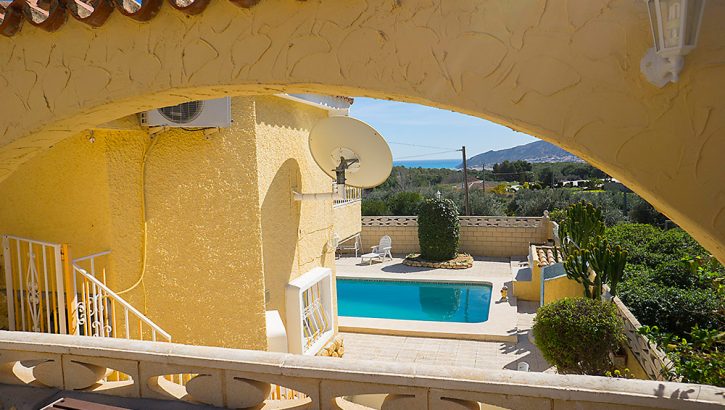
(564, 71)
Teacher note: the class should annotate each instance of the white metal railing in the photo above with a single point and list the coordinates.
(98, 311)
(34, 285)
(233, 378)
(351, 195)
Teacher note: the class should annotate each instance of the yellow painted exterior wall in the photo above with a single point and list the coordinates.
(347, 220)
(529, 290)
(222, 226)
(566, 71)
(56, 195)
(560, 288)
(295, 234)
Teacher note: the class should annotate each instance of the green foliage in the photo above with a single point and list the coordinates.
(577, 335)
(513, 171)
(642, 212)
(374, 207)
(635, 239)
(404, 203)
(535, 202)
(547, 177)
(610, 203)
(698, 358)
(655, 302)
(557, 215)
(486, 204)
(650, 247)
(438, 229)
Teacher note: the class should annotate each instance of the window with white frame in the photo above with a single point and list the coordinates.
(310, 320)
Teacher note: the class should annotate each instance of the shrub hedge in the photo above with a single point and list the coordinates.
(438, 229)
(577, 335)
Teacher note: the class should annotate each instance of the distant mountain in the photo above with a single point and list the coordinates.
(538, 151)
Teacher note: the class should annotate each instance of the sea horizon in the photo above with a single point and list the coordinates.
(429, 163)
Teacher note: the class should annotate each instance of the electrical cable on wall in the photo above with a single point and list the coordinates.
(144, 239)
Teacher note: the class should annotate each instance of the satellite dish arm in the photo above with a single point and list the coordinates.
(338, 193)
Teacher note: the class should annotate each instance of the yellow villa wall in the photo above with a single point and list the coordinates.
(560, 288)
(347, 220)
(203, 281)
(221, 223)
(295, 234)
(59, 194)
(529, 290)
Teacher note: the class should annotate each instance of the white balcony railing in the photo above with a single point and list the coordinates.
(352, 195)
(243, 379)
(100, 312)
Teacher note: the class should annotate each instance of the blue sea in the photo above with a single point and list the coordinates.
(429, 163)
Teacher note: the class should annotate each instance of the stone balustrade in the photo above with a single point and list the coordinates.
(497, 236)
(241, 379)
(652, 359)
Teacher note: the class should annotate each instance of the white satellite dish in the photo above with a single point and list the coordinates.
(349, 151)
(349, 148)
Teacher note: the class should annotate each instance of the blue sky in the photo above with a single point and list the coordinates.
(404, 123)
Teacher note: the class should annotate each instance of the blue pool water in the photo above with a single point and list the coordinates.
(407, 300)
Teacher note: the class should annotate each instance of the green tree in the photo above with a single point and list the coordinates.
(404, 203)
(374, 207)
(486, 204)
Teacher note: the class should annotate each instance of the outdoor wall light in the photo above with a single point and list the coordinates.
(675, 26)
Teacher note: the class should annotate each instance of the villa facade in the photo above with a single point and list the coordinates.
(203, 231)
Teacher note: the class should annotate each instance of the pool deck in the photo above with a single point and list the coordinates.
(501, 325)
(451, 352)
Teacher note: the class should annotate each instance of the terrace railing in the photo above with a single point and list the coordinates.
(352, 195)
(100, 312)
(243, 379)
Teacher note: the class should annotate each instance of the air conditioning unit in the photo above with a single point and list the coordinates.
(192, 114)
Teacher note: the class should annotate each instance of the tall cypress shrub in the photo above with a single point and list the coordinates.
(438, 229)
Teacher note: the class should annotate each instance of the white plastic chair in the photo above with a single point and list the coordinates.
(347, 245)
(380, 251)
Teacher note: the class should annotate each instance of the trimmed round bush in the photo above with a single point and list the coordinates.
(577, 334)
(438, 229)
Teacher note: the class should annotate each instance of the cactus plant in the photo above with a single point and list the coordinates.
(582, 224)
(590, 260)
(608, 263)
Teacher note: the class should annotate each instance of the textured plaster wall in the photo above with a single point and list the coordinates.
(561, 287)
(60, 194)
(295, 234)
(347, 220)
(203, 282)
(566, 71)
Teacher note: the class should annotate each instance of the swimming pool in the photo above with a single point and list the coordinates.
(409, 300)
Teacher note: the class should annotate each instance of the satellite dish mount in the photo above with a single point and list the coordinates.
(340, 170)
(349, 151)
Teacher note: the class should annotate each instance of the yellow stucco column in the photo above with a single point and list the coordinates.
(564, 71)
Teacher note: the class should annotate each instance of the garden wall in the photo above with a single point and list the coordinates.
(497, 236)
